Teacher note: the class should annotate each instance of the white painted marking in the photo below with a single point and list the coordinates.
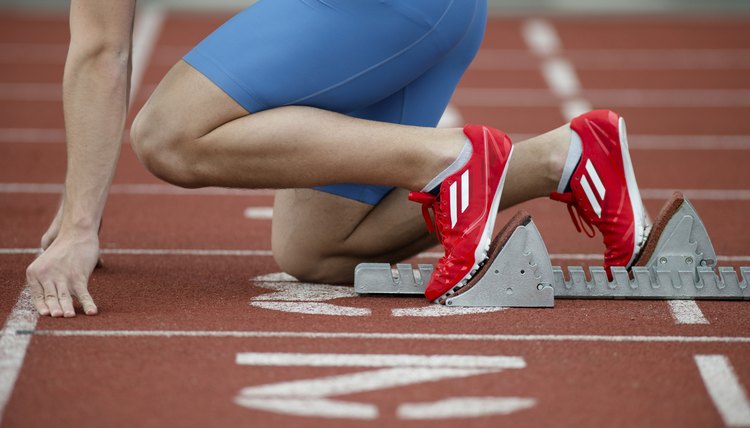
(312, 397)
(259, 213)
(379, 360)
(23, 317)
(147, 27)
(541, 37)
(156, 252)
(464, 190)
(440, 311)
(575, 107)
(275, 277)
(268, 253)
(590, 196)
(308, 393)
(306, 298)
(453, 202)
(598, 185)
(556, 76)
(163, 189)
(395, 336)
(725, 389)
(464, 407)
(622, 59)
(314, 308)
(676, 142)
(303, 292)
(135, 189)
(699, 194)
(686, 312)
(689, 142)
(319, 407)
(561, 78)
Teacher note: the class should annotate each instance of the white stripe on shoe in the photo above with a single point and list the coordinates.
(464, 190)
(454, 215)
(590, 196)
(598, 185)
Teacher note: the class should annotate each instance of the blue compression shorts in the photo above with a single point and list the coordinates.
(395, 61)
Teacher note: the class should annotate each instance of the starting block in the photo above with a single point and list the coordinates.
(677, 261)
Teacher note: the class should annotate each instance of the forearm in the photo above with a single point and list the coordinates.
(95, 100)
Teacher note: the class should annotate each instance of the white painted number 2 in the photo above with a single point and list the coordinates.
(319, 397)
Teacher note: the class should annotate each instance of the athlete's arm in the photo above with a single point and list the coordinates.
(95, 101)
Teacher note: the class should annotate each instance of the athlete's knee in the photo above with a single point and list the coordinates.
(163, 149)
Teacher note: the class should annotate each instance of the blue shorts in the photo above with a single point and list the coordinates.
(395, 61)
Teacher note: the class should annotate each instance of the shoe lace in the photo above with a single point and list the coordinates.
(428, 201)
(575, 213)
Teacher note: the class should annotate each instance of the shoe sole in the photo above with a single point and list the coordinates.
(480, 253)
(634, 193)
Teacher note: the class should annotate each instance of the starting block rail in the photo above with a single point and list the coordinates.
(681, 266)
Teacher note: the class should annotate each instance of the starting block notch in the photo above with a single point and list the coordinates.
(681, 266)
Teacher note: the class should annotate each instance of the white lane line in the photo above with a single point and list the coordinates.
(135, 189)
(165, 189)
(490, 59)
(559, 74)
(561, 78)
(699, 194)
(725, 389)
(378, 360)
(565, 86)
(686, 312)
(395, 336)
(148, 23)
(13, 346)
(155, 252)
(542, 39)
(621, 59)
(635, 141)
(283, 277)
(675, 142)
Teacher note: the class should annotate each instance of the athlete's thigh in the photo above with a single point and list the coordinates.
(338, 55)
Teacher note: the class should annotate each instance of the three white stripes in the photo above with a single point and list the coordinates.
(454, 197)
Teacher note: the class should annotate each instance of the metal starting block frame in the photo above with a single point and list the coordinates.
(682, 267)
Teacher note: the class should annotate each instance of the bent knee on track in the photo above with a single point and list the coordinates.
(163, 148)
(314, 267)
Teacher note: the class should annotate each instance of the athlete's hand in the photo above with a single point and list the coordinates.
(62, 272)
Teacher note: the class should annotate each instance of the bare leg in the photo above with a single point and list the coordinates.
(192, 134)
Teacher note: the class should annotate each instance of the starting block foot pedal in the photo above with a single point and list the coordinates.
(677, 261)
(518, 273)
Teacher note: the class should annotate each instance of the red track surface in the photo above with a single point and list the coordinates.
(130, 374)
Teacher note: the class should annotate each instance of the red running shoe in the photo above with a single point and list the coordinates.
(604, 192)
(465, 210)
